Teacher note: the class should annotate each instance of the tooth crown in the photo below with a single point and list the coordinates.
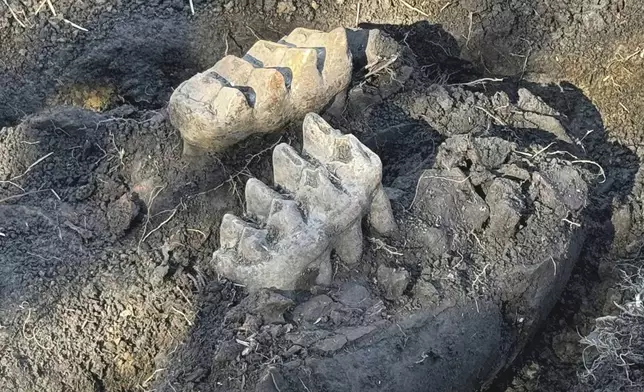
(325, 197)
(272, 84)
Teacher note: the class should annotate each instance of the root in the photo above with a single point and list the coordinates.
(411, 7)
(615, 344)
(380, 244)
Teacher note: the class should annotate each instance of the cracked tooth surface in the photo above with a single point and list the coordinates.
(285, 217)
(287, 167)
(259, 198)
(232, 107)
(252, 245)
(231, 229)
(234, 70)
(271, 95)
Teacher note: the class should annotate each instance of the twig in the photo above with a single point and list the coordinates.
(469, 30)
(42, 4)
(411, 7)
(32, 166)
(275, 382)
(184, 315)
(153, 196)
(14, 15)
(200, 232)
(174, 211)
(554, 263)
(358, 15)
(601, 169)
(478, 81)
(491, 115)
(304, 385)
(253, 32)
(571, 223)
(51, 7)
(192, 7)
(74, 25)
(445, 6)
(539, 152)
(22, 194)
(380, 244)
(380, 67)
(147, 380)
(56, 194)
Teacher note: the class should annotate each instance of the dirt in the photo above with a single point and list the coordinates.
(97, 297)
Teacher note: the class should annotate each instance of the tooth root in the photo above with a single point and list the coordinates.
(318, 138)
(230, 230)
(285, 217)
(253, 245)
(288, 167)
(325, 272)
(349, 244)
(381, 218)
(259, 198)
(234, 70)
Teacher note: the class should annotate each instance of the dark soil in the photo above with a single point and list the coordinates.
(88, 304)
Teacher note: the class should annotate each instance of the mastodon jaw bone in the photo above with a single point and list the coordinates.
(287, 238)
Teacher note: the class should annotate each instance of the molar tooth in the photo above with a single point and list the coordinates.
(348, 246)
(285, 217)
(259, 198)
(287, 167)
(318, 137)
(234, 70)
(231, 229)
(252, 245)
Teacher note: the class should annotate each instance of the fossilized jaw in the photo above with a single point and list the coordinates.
(325, 198)
(272, 84)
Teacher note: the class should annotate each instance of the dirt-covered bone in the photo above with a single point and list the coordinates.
(327, 195)
(272, 84)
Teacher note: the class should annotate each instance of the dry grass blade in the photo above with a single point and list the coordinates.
(13, 13)
(74, 25)
(51, 7)
(411, 7)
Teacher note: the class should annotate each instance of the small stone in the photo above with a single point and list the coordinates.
(353, 295)
(307, 338)
(332, 344)
(315, 5)
(157, 275)
(271, 306)
(294, 349)
(228, 351)
(355, 333)
(292, 365)
(393, 282)
(285, 7)
(426, 291)
(313, 309)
